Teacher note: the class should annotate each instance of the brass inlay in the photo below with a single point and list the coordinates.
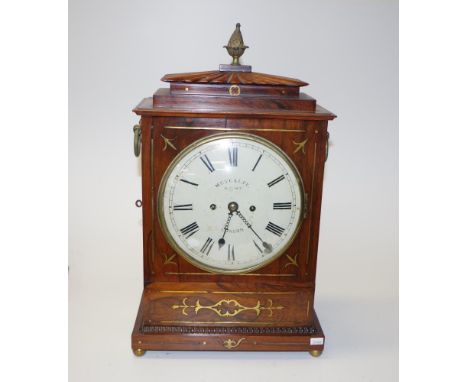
(151, 244)
(228, 308)
(182, 291)
(311, 203)
(169, 260)
(178, 342)
(292, 261)
(234, 90)
(168, 142)
(255, 292)
(218, 292)
(281, 343)
(256, 323)
(300, 146)
(238, 274)
(231, 344)
(153, 231)
(231, 129)
(308, 307)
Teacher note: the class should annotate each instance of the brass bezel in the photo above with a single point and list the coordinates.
(193, 146)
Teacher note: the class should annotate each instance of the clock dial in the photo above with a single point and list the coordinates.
(231, 203)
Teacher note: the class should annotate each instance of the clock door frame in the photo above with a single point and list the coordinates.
(305, 143)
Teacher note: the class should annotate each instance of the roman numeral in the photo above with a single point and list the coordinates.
(258, 247)
(233, 156)
(190, 230)
(207, 163)
(207, 246)
(231, 255)
(282, 206)
(277, 180)
(256, 163)
(183, 207)
(186, 181)
(275, 229)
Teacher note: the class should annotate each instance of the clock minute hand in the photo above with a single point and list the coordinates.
(268, 247)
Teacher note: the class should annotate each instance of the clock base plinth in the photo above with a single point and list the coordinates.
(255, 336)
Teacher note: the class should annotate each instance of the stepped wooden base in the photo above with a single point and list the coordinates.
(245, 337)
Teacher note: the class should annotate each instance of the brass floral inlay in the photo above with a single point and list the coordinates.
(292, 261)
(227, 308)
(169, 259)
(300, 146)
(168, 142)
(231, 344)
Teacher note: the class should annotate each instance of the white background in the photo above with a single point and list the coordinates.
(33, 197)
(33, 202)
(348, 52)
(33, 206)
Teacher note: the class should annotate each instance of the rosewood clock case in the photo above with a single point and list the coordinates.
(272, 308)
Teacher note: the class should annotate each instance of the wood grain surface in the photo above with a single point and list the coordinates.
(272, 308)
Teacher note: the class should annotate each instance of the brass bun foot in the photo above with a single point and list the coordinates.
(139, 352)
(315, 353)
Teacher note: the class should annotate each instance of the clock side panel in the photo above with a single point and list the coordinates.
(146, 125)
(305, 144)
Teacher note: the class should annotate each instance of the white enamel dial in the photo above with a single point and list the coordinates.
(231, 203)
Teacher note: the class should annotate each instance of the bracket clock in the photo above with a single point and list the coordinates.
(232, 173)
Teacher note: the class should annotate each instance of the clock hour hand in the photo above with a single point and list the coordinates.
(221, 241)
(268, 247)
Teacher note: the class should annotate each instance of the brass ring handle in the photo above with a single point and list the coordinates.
(136, 140)
(327, 147)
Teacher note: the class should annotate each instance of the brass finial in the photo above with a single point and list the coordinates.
(235, 46)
